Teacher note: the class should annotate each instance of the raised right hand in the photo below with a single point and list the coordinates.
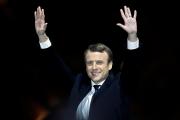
(40, 24)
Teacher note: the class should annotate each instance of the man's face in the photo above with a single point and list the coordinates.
(97, 65)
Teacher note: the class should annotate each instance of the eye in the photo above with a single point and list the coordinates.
(99, 62)
(89, 63)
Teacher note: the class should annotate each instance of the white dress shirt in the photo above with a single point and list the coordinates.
(82, 112)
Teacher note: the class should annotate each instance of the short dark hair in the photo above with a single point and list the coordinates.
(100, 47)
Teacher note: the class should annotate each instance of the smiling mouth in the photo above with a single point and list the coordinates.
(95, 74)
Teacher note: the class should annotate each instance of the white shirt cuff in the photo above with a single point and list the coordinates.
(132, 45)
(45, 44)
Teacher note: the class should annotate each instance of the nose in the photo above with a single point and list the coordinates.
(94, 65)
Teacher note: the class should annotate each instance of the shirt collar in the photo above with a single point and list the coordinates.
(92, 83)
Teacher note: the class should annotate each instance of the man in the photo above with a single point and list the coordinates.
(96, 95)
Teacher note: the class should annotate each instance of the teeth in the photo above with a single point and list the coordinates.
(94, 74)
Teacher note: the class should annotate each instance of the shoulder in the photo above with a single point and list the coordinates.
(82, 78)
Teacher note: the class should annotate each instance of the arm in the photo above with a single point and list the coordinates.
(132, 55)
(132, 60)
(130, 26)
(40, 25)
(49, 56)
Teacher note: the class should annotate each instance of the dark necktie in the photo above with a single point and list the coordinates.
(83, 108)
(96, 87)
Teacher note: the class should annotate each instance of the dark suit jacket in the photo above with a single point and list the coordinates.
(109, 103)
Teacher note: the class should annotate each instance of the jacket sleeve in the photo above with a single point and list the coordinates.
(54, 68)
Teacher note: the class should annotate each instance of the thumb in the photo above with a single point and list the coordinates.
(45, 26)
(120, 25)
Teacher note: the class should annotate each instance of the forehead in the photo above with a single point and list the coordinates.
(96, 55)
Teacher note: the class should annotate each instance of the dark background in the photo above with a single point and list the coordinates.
(72, 25)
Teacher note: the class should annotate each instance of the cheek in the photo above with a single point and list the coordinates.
(88, 68)
(105, 69)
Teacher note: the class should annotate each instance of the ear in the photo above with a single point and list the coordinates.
(110, 65)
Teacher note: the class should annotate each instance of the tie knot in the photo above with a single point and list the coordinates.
(96, 87)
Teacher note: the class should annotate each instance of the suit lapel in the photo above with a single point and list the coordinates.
(84, 88)
(104, 87)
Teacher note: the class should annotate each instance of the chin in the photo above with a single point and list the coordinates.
(96, 79)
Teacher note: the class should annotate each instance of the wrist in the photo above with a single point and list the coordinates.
(43, 38)
(132, 37)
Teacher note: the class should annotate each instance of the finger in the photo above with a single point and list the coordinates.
(126, 11)
(38, 10)
(129, 12)
(120, 25)
(35, 16)
(42, 14)
(122, 14)
(45, 26)
(135, 14)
